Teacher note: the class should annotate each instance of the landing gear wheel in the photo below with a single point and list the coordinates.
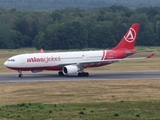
(83, 74)
(87, 74)
(60, 73)
(20, 75)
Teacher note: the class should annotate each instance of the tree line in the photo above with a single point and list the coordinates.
(74, 28)
(83, 4)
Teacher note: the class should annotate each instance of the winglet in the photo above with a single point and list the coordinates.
(150, 56)
(41, 51)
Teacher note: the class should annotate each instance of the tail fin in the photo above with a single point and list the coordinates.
(129, 39)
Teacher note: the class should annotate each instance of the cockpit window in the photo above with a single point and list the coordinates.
(12, 60)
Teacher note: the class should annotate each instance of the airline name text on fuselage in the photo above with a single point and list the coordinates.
(44, 59)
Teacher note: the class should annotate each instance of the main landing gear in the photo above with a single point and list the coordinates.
(83, 74)
(80, 74)
(20, 73)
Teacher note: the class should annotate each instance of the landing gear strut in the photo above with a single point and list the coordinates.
(20, 73)
(83, 74)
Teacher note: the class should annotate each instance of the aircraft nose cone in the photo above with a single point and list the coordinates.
(5, 63)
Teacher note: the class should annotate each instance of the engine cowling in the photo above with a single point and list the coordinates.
(70, 69)
(36, 71)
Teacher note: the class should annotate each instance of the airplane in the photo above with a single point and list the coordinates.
(68, 63)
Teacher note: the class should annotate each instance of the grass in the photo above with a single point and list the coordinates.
(78, 91)
(142, 110)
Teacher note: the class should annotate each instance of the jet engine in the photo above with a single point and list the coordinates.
(70, 69)
(36, 71)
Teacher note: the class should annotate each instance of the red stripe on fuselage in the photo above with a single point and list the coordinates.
(36, 68)
(56, 68)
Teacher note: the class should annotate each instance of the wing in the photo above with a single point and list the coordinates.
(109, 61)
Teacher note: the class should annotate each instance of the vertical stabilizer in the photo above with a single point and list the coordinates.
(129, 39)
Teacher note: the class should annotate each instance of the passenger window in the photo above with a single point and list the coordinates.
(12, 60)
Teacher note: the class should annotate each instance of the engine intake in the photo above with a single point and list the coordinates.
(70, 69)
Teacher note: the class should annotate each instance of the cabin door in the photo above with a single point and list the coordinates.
(22, 60)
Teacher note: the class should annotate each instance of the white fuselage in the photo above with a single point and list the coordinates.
(54, 61)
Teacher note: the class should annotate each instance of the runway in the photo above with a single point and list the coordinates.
(13, 78)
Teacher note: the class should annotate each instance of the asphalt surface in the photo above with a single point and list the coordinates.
(13, 78)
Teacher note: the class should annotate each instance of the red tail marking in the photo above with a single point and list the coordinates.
(110, 54)
(129, 39)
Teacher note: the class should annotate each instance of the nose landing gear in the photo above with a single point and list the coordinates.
(20, 73)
